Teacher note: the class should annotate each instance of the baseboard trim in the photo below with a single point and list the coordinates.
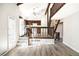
(4, 53)
(71, 47)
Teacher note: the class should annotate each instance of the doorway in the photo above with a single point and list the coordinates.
(11, 32)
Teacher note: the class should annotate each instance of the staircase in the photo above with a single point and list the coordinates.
(23, 41)
(35, 39)
(55, 25)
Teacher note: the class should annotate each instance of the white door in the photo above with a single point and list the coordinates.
(11, 32)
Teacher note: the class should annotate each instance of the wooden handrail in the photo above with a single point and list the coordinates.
(41, 27)
(47, 8)
(39, 33)
(56, 26)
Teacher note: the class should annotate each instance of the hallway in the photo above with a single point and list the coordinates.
(58, 49)
(33, 29)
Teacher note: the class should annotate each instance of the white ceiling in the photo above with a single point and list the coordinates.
(66, 10)
(33, 11)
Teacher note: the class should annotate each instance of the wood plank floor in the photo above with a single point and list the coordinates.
(58, 49)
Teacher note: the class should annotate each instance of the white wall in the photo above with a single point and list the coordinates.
(71, 29)
(3, 30)
(7, 10)
(44, 20)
